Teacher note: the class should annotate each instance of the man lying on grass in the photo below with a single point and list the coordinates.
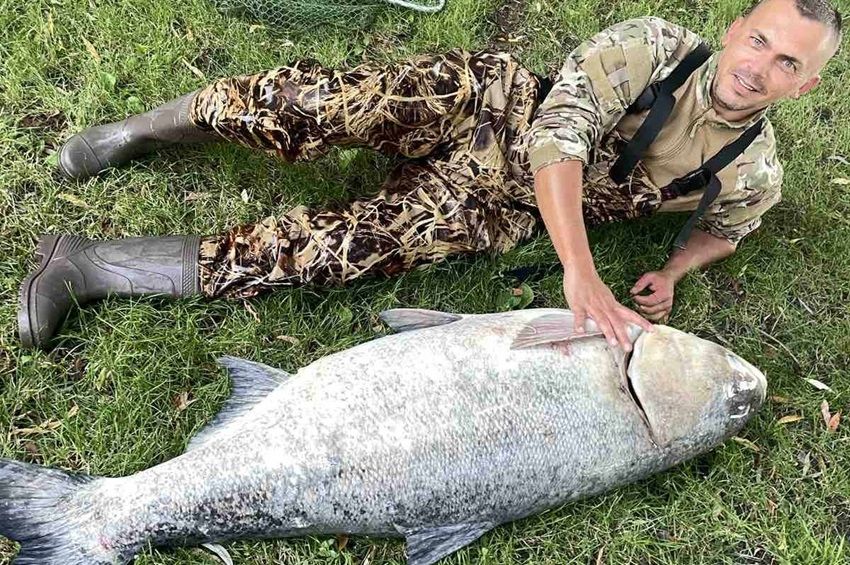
(639, 120)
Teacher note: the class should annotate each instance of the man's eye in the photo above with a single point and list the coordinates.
(756, 41)
(789, 65)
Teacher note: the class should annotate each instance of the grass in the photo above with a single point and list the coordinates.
(103, 402)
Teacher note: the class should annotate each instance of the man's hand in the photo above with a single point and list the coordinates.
(657, 304)
(588, 296)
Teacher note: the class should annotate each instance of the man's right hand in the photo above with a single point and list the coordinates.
(589, 297)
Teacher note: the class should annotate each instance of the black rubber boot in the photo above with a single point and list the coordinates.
(76, 270)
(98, 148)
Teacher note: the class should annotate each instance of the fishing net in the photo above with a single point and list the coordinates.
(306, 15)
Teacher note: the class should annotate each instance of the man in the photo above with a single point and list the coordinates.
(483, 157)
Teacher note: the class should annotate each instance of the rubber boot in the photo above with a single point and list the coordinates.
(75, 270)
(98, 148)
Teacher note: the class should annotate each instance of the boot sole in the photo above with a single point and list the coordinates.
(26, 328)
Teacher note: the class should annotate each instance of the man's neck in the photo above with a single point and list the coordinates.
(734, 116)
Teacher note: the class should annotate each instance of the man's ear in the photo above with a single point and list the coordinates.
(733, 28)
(807, 86)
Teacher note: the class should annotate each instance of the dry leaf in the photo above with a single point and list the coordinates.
(193, 196)
(90, 48)
(41, 429)
(817, 384)
(183, 401)
(839, 158)
(824, 410)
(832, 425)
(195, 70)
(75, 200)
(245, 197)
(341, 542)
(746, 443)
(780, 399)
(255, 27)
(288, 339)
(789, 419)
(31, 448)
(771, 507)
(841, 181)
(73, 411)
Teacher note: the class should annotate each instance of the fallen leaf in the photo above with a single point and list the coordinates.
(789, 419)
(195, 70)
(75, 200)
(839, 158)
(41, 429)
(219, 552)
(182, 401)
(288, 339)
(817, 384)
(780, 399)
(90, 48)
(73, 411)
(832, 425)
(841, 181)
(245, 197)
(31, 448)
(747, 443)
(341, 542)
(193, 196)
(824, 410)
(255, 27)
(771, 507)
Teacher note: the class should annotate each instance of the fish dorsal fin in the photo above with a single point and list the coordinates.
(252, 382)
(426, 546)
(406, 319)
(551, 328)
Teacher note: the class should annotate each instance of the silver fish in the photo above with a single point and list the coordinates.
(439, 433)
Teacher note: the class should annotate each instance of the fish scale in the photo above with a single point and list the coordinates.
(436, 434)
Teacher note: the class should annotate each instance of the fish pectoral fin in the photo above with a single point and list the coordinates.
(428, 545)
(252, 382)
(406, 319)
(552, 328)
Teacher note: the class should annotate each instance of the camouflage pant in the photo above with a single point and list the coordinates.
(458, 117)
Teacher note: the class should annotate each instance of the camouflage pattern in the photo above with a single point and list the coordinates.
(459, 117)
(464, 121)
(584, 118)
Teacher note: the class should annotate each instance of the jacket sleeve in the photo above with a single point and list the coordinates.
(599, 81)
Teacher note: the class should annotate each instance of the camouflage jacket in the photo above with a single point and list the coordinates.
(584, 118)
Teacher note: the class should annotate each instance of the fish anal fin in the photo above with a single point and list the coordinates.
(252, 382)
(406, 319)
(552, 328)
(428, 545)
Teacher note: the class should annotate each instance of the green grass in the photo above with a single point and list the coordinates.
(781, 301)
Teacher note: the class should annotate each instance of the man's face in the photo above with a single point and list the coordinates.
(771, 54)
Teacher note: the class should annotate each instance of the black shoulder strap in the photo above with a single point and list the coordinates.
(659, 99)
(706, 176)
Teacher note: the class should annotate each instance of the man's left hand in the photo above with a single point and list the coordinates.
(657, 304)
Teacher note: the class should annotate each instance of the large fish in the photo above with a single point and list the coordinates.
(437, 434)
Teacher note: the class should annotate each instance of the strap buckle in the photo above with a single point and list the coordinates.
(695, 180)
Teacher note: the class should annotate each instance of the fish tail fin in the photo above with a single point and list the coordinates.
(36, 510)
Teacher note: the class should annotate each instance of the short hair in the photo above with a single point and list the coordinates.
(818, 10)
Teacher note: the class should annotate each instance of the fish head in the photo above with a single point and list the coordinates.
(692, 391)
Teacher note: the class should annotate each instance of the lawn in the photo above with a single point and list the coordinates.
(131, 380)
